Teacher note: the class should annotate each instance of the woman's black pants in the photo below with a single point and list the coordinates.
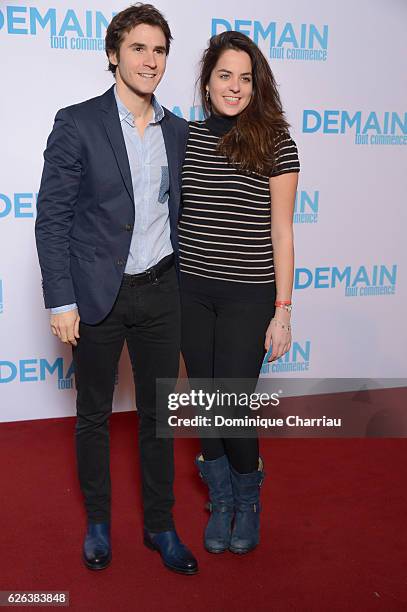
(223, 338)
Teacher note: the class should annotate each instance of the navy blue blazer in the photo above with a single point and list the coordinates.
(85, 207)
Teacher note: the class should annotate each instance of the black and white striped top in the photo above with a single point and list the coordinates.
(225, 227)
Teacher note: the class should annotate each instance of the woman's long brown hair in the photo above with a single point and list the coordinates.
(250, 143)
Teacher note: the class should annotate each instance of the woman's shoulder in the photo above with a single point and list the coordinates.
(198, 125)
(199, 130)
(285, 154)
(282, 141)
(283, 137)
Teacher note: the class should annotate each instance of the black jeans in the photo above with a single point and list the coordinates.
(223, 338)
(147, 317)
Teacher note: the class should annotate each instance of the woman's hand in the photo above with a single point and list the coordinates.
(278, 334)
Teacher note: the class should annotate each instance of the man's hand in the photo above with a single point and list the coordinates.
(66, 326)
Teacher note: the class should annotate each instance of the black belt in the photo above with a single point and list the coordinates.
(150, 275)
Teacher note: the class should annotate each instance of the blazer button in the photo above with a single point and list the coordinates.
(128, 227)
(120, 262)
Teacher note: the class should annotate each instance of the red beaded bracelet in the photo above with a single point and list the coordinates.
(285, 305)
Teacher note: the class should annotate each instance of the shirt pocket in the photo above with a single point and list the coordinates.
(164, 185)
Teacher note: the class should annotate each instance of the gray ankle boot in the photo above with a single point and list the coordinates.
(246, 493)
(216, 474)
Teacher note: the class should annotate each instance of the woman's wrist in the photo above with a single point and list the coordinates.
(283, 304)
(282, 313)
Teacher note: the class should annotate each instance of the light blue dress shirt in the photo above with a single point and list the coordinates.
(150, 177)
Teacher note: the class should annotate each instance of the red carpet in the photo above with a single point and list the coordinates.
(333, 527)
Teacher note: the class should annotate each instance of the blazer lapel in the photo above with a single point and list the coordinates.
(111, 121)
(171, 150)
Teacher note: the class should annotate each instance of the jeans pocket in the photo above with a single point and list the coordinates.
(168, 282)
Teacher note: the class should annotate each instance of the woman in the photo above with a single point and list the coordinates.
(236, 260)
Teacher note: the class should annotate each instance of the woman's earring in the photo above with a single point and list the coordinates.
(207, 95)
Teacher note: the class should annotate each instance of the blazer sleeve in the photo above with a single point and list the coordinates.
(56, 202)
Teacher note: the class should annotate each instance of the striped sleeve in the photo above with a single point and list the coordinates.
(286, 155)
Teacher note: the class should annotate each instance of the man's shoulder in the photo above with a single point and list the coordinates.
(86, 107)
(178, 121)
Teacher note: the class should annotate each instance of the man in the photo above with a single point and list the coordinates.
(106, 234)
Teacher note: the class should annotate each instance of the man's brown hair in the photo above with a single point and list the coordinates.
(128, 19)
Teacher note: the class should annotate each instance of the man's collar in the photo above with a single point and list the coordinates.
(126, 115)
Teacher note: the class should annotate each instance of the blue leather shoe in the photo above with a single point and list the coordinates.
(173, 553)
(97, 551)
